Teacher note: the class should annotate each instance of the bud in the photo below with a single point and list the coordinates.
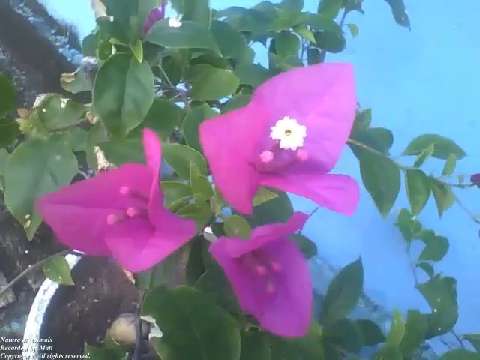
(475, 179)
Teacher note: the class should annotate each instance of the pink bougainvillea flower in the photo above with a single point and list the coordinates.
(119, 213)
(155, 15)
(288, 137)
(270, 276)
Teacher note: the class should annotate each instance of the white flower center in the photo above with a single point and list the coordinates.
(174, 22)
(289, 133)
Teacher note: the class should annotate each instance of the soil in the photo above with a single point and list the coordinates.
(82, 313)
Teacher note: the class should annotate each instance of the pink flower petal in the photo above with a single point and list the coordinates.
(229, 142)
(138, 246)
(78, 213)
(321, 97)
(270, 277)
(153, 156)
(336, 192)
(262, 235)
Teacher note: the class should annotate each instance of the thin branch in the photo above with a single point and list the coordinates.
(29, 269)
(459, 339)
(344, 17)
(404, 168)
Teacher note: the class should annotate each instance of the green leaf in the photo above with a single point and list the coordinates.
(343, 293)
(443, 196)
(197, 11)
(287, 44)
(418, 189)
(292, 5)
(436, 247)
(56, 112)
(163, 117)
(186, 316)
(179, 158)
(330, 8)
(175, 191)
(252, 74)
(427, 268)
(424, 155)
(353, 29)
(7, 95)
(389, 352)
(137, 50)
(195, 116)
(278, 209)
(237, 226)
(473, 339)
(214, 283)
(122, 151)
(235, 102)
(201, 187)
(399, 12)
(255, 346)
(190, 35)
(33, 169)
(331, 41)
(231, 42)
(8, 132)
(441, 295)
(415, 329)
(345, 334)
(408, 226)
(381, 177)
(370, 332)
(263, 195)
(79, 81)
(57, 269)
(450, 165)
(378, 138)
(210, 83)
(397, 330)
(307, 348)
(460, 354)
(443, 147)
(305, 245)
(123, 93)
(305, 33)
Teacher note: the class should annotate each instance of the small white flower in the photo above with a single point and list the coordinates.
(289, 133)
(174, 22)
(63, 103)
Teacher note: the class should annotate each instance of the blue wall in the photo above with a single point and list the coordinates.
(415, 82)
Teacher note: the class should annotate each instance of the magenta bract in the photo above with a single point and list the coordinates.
(119, 213)
(155, 15)
(288, 137)
(270, 276)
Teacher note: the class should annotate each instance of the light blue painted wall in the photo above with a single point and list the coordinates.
(416, 82)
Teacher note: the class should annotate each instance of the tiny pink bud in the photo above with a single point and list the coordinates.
(112, 219)
(266, 156)
(132, 212)
(302, 155)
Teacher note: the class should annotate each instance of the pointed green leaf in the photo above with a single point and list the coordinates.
(381, 177)
(441, 295)
(186, 316)
(353, 29)
(443, 196)
(7, 95)
(211, 83)
(237, 226)
(436, 247)
(195, 116)
(418, 189)
(474, 339)
(443, 146)
(33, 169)
(123, 93)
(180, 156)
(343, 293)
(450, 165)
(190, 35)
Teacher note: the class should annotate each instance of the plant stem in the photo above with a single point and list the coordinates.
(404, 168)
(28, 270)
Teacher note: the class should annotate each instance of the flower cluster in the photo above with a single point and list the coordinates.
(288, 137)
